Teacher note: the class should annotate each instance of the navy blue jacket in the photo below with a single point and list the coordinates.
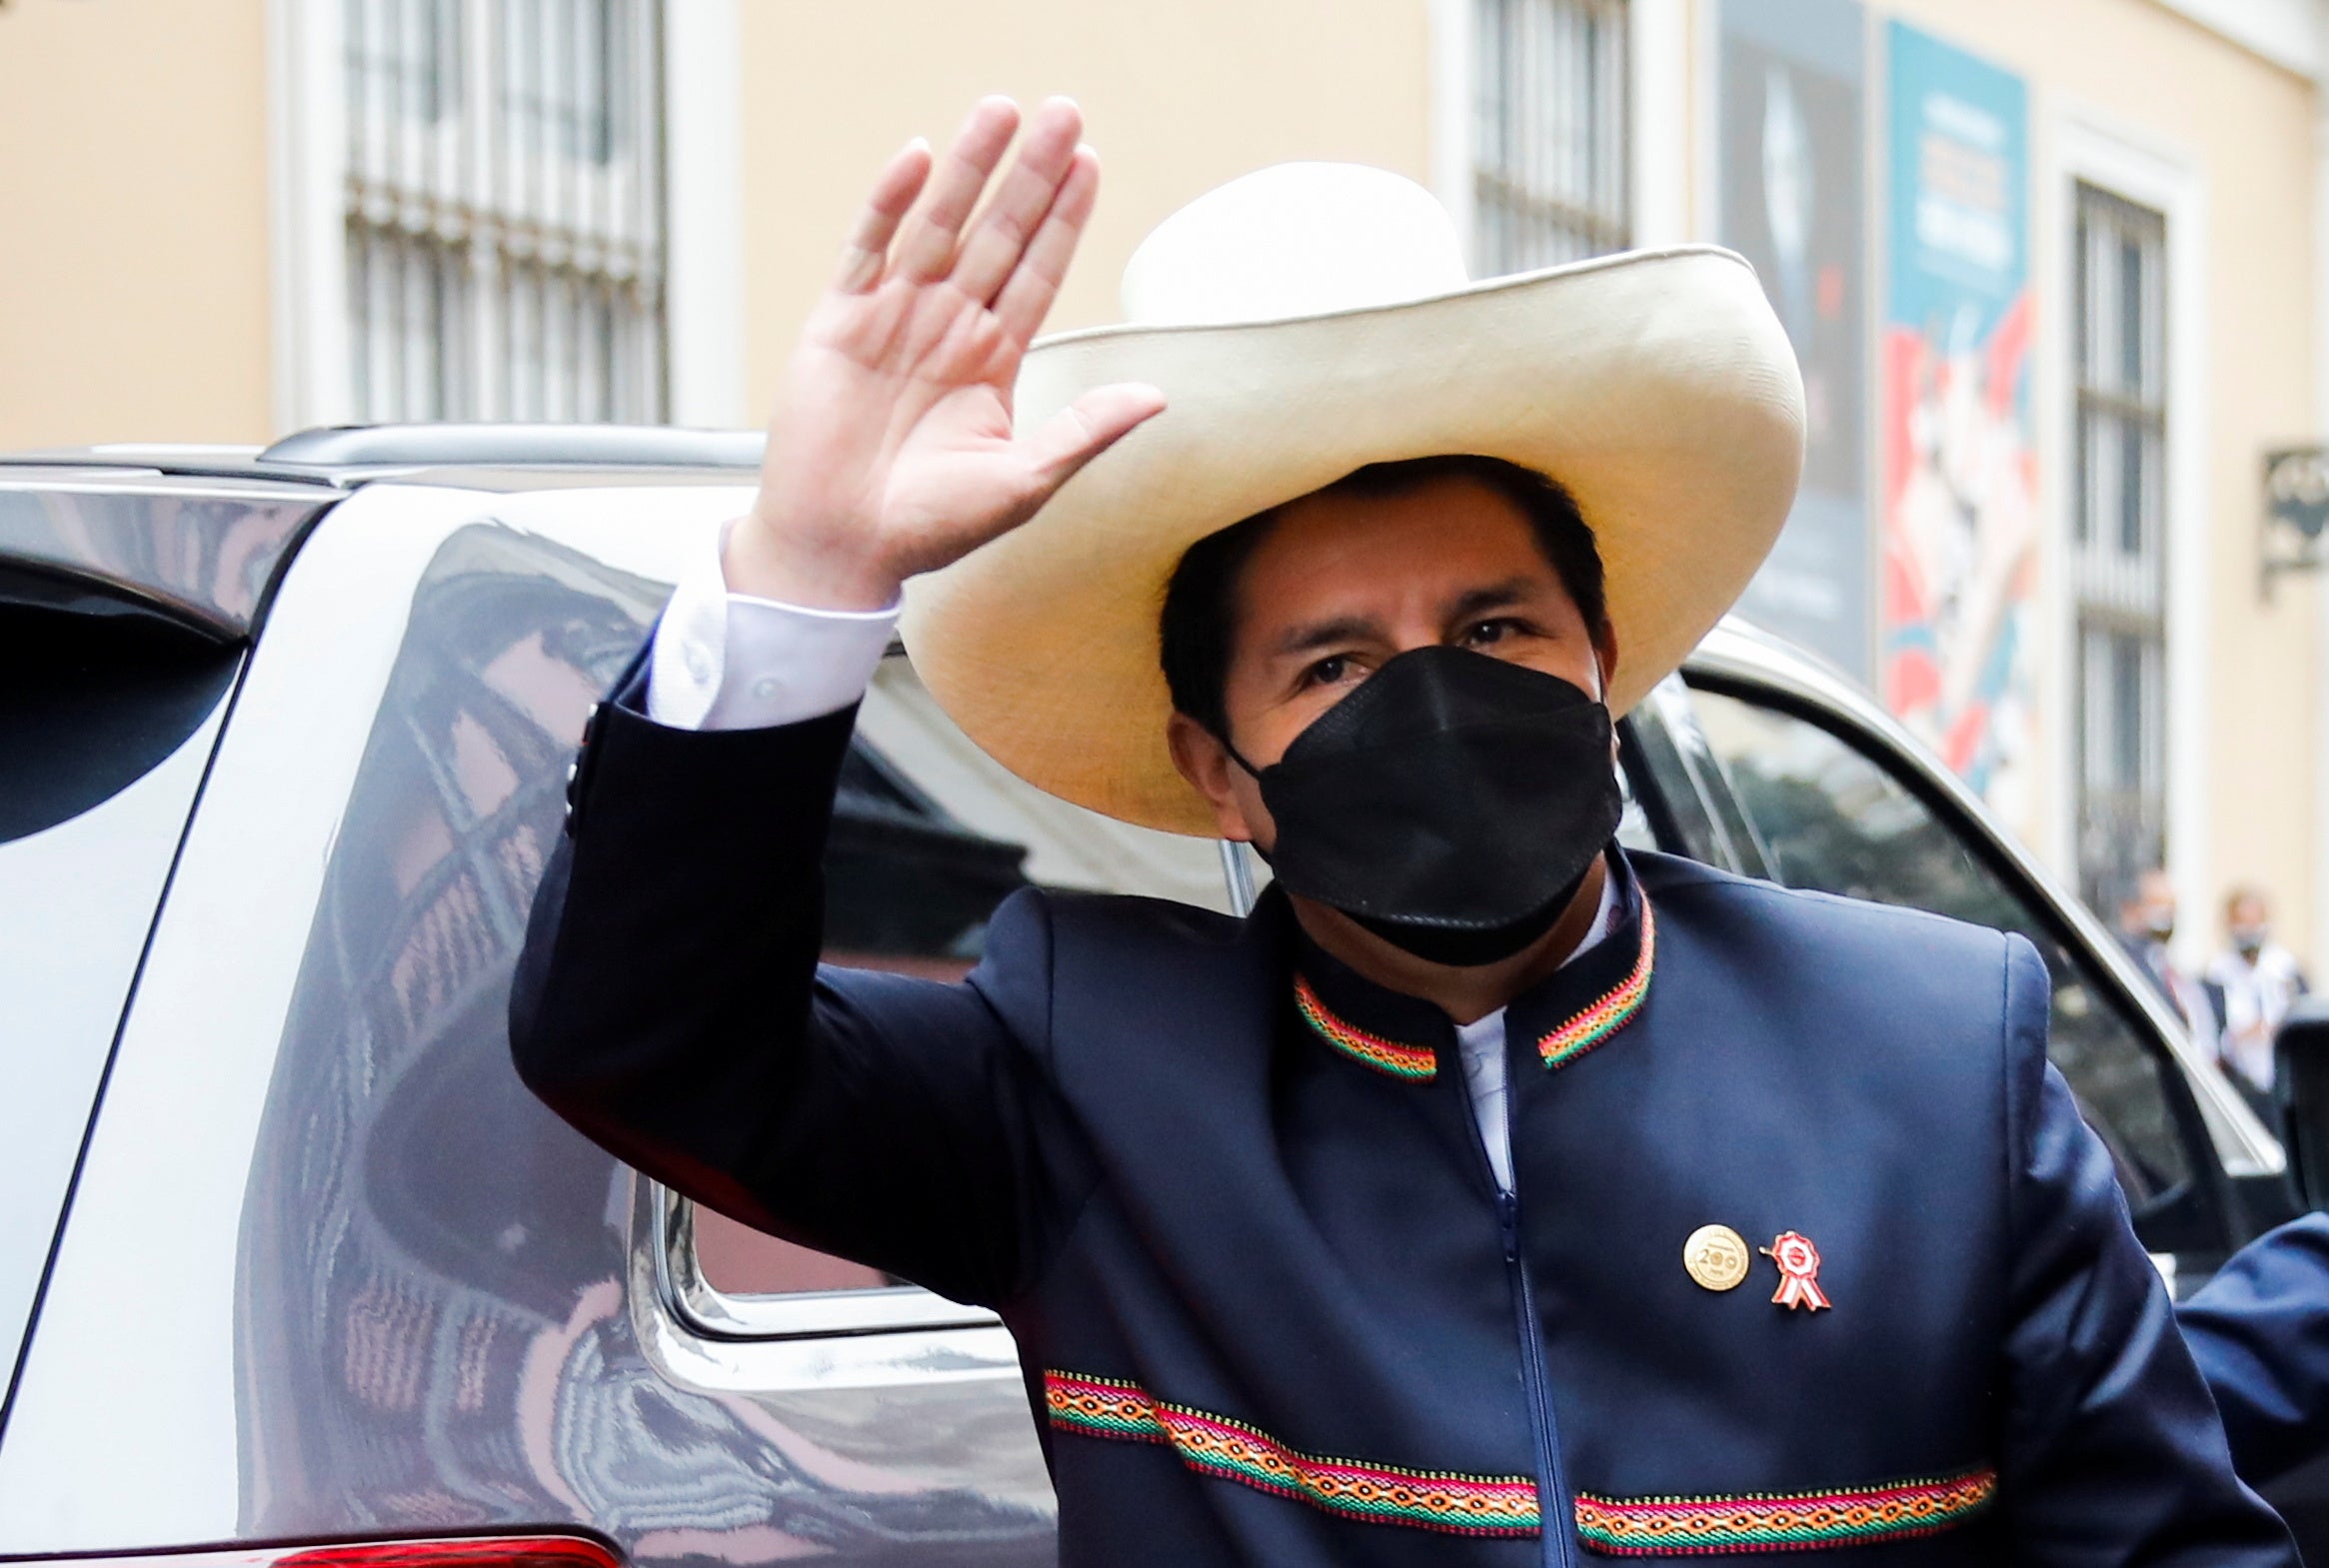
(2260, 1332)
(1230, 1198)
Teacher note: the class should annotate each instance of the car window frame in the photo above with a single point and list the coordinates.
(1733, 662)
(2215, 1205)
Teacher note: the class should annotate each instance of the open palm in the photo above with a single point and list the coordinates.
(890, 451)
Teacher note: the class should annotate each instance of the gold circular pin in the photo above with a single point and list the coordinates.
(1716, 1256)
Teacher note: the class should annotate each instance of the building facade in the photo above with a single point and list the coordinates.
(2055, 273)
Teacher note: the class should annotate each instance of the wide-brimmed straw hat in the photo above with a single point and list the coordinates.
(1306, 321)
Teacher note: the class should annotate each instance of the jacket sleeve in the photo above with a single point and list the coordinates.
(2110, 1451)
(668, 1004)
(2260, 1333)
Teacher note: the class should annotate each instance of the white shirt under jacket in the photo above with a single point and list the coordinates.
(725, 660)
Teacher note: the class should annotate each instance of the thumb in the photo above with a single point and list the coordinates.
(1085, 428)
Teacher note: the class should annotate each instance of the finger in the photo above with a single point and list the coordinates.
(1025, 299)
(899, 181)
(995, 241)
(925, 249)
(1085, 428)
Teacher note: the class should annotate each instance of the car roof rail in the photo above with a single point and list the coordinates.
(487, 446)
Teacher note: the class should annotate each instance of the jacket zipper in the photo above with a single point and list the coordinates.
(1552, 1493)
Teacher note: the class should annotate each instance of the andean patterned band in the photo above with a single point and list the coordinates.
(1609, 1015)
(1215, 1445)
(1800, 1521)
(1506, 1504)
(1605, 1017)
(1418, 1062)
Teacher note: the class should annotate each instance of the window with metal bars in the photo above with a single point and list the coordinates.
(2118, 544)
(504, 209)
(1551, 164)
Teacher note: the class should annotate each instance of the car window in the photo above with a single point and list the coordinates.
(103, 738)
(1830, 818)
(928, 835)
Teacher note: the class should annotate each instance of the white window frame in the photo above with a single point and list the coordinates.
(2091, 147)
(311, 357)
(702, 138)
(2113, 596)
(1659, 91)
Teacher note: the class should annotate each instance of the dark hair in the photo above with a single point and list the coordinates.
(1197, 628)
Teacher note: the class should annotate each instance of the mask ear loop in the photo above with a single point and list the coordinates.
(1252, 773)
(1236, 756)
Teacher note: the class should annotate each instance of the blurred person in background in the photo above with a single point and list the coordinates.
(2146, 927)
(2251, 983)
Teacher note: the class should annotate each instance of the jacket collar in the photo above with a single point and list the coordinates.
(1562, 1016)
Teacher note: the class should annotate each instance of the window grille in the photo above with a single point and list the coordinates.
(2118, 545)
(1551, 164)
(504, 209)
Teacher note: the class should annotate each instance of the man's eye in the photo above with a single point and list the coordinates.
(1327, 671)
(1489, 632)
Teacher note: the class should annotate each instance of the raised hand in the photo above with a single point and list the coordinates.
(890, 449)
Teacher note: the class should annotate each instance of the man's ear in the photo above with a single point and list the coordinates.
(1605, 655)
(1202, 758)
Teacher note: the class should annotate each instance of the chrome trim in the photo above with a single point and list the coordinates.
(975, 1348)
(710, 1311)
(1740, 653)
(499, 445)
(1238, 877)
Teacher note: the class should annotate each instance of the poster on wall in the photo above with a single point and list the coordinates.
(1958, 449)
(1789, 199)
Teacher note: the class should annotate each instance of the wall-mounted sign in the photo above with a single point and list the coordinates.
(1960, 495)
(2296, 511)
(1791, 199)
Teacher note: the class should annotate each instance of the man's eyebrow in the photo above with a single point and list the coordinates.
(1324, 634)
(1495, 596)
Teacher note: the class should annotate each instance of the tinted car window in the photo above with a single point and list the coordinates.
(1830, 817)
(103, 736)
(116, 689)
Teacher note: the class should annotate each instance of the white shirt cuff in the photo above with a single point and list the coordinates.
(725, 660)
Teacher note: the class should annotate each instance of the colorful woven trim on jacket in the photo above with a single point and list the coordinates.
(1793, 1522)
(1417, 1062)
(1611, 1014)
(1218, 1446)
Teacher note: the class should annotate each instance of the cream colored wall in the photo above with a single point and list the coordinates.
(133, 221)
(1178, 98)
(2247, 126)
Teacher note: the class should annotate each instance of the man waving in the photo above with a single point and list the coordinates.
(1489, 1194)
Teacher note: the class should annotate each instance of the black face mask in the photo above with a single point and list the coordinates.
(1452, 804)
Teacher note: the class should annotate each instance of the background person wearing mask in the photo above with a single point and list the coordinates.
(2253, 983)
(2146, 927)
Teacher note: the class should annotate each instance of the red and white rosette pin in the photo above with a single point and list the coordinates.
(1799, 1262)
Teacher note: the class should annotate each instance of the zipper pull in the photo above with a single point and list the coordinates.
(1508, 1221)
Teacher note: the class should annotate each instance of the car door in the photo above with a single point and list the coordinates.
(1770, 783)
